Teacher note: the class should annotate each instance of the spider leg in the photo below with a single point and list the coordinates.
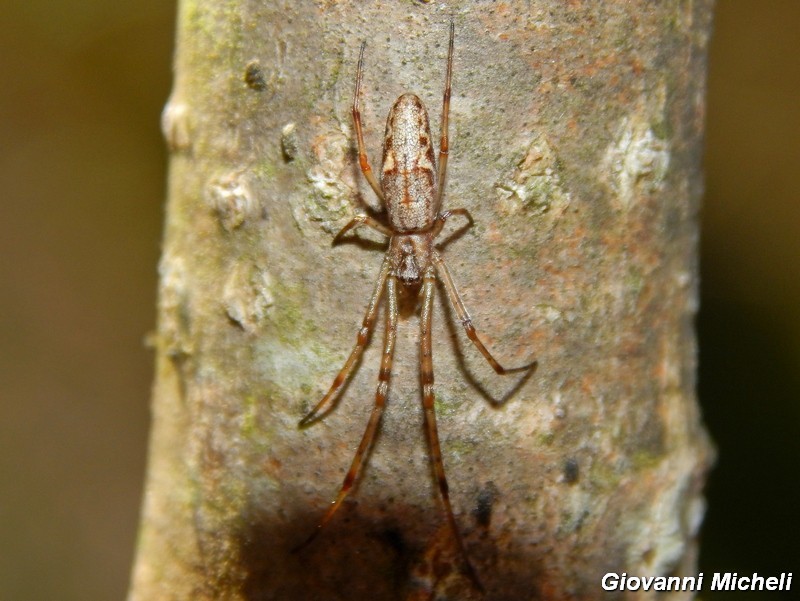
(445, 215)
(363, 336)
(377, 411)
(444, 147)
(466, 321)
(426, 375)
(360, 220)
(362, 153)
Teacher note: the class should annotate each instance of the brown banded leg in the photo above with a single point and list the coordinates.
(361, 341)
(444, 147)
(377, 411)
(426, 375)
(362, 153)
(466, 321)
(360, 220)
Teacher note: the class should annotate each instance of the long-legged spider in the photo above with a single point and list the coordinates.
(408, 188)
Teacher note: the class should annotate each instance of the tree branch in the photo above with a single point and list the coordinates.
(575, 143)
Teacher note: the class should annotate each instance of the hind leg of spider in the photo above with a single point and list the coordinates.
(363, 160)
(361, 340)
(377, 411)
(426, 375)
(466, 321)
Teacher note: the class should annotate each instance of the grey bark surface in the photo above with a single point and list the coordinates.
(575, 144)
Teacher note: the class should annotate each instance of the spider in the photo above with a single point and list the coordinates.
(408, 188)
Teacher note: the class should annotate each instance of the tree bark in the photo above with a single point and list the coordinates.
(575, 144)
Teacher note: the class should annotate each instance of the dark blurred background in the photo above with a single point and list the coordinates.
(83, 169)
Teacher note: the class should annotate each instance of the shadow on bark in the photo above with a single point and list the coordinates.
(367, 553)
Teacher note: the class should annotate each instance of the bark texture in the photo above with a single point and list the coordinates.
(575, 143)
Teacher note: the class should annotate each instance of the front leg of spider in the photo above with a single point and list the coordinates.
(411, 186)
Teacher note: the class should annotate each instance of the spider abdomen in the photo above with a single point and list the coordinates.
(408, 170)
